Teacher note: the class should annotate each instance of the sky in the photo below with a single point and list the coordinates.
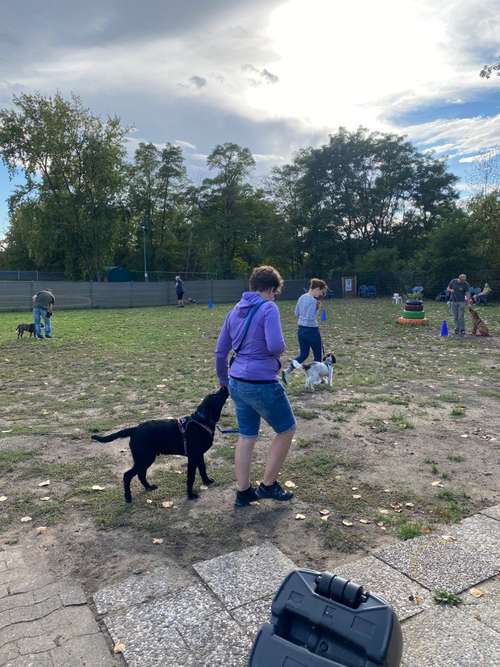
(271, 75)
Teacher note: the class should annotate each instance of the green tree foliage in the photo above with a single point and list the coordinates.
(485, 229)
(73, 165)
(157, 201)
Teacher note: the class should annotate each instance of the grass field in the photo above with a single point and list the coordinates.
(408, 437)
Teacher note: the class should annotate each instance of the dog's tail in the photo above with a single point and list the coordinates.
(125, 433)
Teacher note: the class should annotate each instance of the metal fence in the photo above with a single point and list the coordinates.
(133, 275)
(16, 295)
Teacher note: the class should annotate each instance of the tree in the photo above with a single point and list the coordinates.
(361, 189)
(157, 187)
(73, 165)
(221, 201)
(488, 70)
(484, 214)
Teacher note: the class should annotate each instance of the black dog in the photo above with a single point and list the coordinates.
(189, 436)
(28, 328)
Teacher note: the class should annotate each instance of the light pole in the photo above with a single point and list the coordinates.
(146, 277)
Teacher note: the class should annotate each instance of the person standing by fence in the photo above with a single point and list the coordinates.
(179, 290)
(43, 306)
(253, 331)
(308, 332)
(459, 290)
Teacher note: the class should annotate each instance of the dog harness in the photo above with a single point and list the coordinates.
(183, 423)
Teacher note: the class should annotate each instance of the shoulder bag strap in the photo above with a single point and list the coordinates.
(247, 325)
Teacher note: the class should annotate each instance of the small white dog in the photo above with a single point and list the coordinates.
(318, 371)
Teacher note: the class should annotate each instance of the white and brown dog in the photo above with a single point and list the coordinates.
(318, 371)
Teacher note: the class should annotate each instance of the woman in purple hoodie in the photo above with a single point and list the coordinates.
(253, 330)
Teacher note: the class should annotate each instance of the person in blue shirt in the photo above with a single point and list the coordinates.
(308, 333)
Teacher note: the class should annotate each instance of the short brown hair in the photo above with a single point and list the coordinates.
(317, 283)
(264, 278)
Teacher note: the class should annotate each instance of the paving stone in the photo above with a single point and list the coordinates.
(147, 643)
(219, 640)
(244, 576)
(70, 622)
(35, 645)
(37, 660)
(446, 637)
(29, 580)
(149, 632)
(137, 588)
(35, 611)
(7, 653)
(485, 609)
(404, 595)
(493, 512)
(69, 592)
(252, 615)
(13, 601)
(13, 633)
(89, 651)
(480, 533)
(437, 563)
(13, 558)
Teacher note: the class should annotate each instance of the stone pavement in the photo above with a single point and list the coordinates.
(46, 622)
(208, 616)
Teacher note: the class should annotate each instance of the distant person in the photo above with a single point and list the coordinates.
(43, 306)
(253, 330)
(179, 290)
(459, 290)
(308, 332)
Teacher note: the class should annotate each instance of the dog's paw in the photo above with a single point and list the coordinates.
(152, 487)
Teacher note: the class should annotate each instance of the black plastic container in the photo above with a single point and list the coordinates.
(322, 620)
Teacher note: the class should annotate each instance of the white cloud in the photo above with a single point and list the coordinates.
(481, 157)
(184, 144)
(270, 157)
(459, 136)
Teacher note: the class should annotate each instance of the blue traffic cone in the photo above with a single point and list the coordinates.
(323, 315)
(210, 304)
(444, 328)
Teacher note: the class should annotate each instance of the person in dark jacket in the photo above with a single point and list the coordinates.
(253, 382)
(179, 290)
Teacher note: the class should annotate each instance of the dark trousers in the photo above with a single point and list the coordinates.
(309, 339)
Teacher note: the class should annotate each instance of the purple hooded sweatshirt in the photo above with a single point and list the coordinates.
(259, 357)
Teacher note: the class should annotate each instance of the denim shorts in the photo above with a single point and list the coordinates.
(253, 401)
